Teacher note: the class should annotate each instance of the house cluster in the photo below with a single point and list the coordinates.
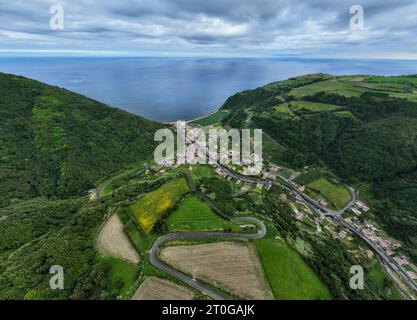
(303, 213)
(220, 172)
(371, 232)
(323, 202)
(271, 172)
(389, 246)
(336, 232)
(359, 207)
(298, 214)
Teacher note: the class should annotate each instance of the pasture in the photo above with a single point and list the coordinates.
(314, 106)
(335, 193)
(123, 276)
(212, 119)
(289, 276)
(195, 215)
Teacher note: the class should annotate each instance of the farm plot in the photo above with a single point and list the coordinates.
(113, 241)
(289, 276)
(159, 289)
(230, 265)
(314, 106)
(152, 207)
(348, 89)
(195, 215)
(337, 194)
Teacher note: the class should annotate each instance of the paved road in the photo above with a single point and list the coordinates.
(336, 214)
(384, 256)
(292, 188)
(202, 235)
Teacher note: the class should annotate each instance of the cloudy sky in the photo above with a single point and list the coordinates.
(312, 28)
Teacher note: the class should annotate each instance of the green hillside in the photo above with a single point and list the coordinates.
(54, 146)
(57, 143)
(364, 128)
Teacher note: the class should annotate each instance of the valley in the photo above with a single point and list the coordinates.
(133, 227)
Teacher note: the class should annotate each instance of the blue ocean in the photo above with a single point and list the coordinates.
(167, 89)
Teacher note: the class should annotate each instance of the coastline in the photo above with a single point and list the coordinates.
(193, 119)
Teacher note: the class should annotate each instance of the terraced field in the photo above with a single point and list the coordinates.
(231, 265)
(154, 205)
(159, 289)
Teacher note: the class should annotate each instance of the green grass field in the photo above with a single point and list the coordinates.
(152, 207)
(274, 150)
(108, 189)
(402, 87)
(314, 106)
(311, 175)
(201, 172)
(195, 215)
(283, 108)
(394, 79)
(124, 272)
(341, 87)
(336, 194)
(288, 275)
(211, 119)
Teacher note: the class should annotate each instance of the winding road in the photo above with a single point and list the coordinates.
(202, 235)
(289, 186)
(215, 294)
(205, 289)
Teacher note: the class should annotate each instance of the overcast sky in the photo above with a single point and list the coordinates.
(313, 28)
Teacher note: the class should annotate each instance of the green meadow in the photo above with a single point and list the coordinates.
(211, 119)
(288, 275)
(314, 106)
(123, 275)
(336, 194)
(195, 215)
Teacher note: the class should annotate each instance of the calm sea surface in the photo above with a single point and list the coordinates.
(166, 89)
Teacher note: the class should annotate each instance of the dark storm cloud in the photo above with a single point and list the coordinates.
(238, 27)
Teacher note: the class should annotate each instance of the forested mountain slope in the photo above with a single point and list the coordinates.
(363, 127)
(54, 142)
(54, 146)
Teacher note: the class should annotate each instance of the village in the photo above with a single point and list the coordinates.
(302, 212)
